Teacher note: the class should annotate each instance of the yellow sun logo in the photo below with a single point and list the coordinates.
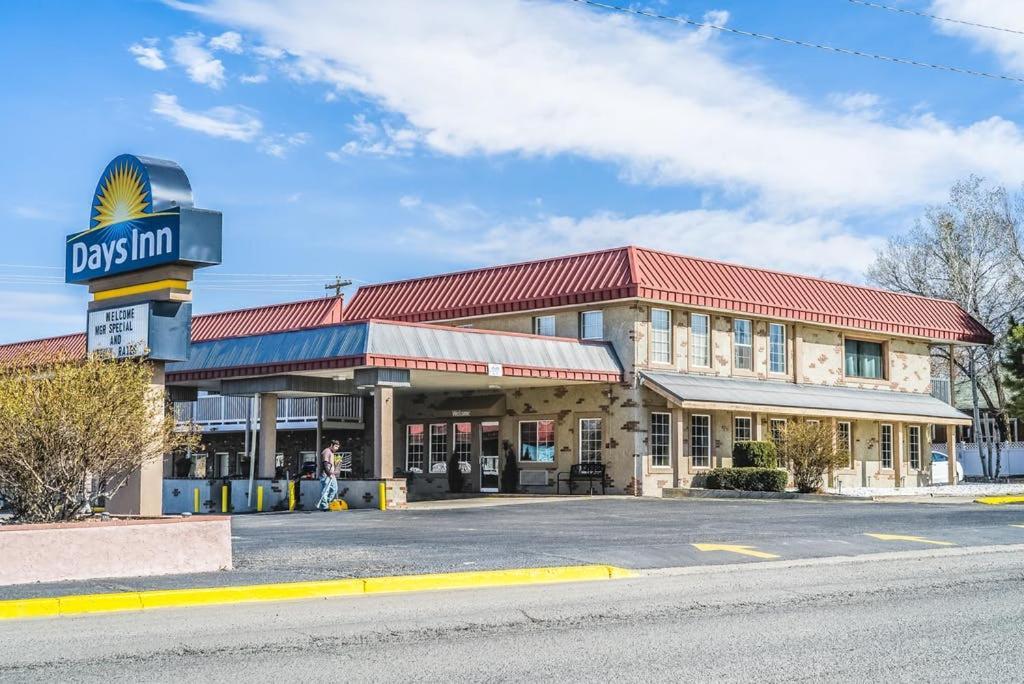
(121, 198)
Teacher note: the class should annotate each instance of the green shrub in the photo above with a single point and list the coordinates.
(747, 479)
(755, 455)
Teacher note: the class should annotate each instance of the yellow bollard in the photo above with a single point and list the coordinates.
(291, 496)
(259, 499)
(195, 500)
(224, 499)
(382, 495)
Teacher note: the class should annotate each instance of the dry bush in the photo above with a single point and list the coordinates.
(809, 450)
(68, 423)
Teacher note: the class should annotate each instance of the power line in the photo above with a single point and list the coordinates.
(801, 43)
(903, 10)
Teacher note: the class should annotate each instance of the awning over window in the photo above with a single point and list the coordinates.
(714, 393)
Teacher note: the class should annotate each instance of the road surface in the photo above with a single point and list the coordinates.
(948, 614)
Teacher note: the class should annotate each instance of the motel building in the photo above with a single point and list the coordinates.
(652, 364)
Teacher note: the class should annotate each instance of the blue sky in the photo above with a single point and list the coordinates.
(392, 139)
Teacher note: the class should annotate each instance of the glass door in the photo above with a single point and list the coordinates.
(489, 450)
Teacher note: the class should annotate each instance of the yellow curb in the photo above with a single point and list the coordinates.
(182, 598)
(1000, 500)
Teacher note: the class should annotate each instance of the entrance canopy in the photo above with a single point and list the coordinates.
(335, 351)
(713, 393)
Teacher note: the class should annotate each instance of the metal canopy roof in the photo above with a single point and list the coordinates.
(399, 345)
(687, 389)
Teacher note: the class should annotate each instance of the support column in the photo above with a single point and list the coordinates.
(143, 493)
(384, 438)
(951, 452)
(897, 462)
(268, 435)
(681, 472)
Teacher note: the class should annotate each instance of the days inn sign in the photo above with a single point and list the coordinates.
(137, 256)
(142, 217)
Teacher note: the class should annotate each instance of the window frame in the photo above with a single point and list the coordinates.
(422, 447)
(652, 445)
(430, 449)
(736, 429)
(749, 345)
(538, 324)
(881, 446)
(883, 359)
(467, 457)
(707, 341)
(600, 441)
(583, 327)
(693, 442)
(519, 439)
(849, 439)
(785, 349)
(911, 430)
(666, 342)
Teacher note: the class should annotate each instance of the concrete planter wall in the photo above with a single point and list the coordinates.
(114, 548)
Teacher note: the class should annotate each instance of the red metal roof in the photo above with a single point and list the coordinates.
(213, 326)
(628, 272)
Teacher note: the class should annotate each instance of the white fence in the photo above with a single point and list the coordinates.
(232, 410)
(1011, 462)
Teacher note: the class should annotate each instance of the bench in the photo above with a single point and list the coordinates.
(581, 472)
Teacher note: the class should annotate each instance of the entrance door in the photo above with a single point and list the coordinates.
(489, 450)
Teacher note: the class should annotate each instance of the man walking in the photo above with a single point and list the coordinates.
(327, 476)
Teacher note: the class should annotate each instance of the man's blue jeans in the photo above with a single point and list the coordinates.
(329, 491)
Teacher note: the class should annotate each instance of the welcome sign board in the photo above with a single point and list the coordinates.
(122, 332)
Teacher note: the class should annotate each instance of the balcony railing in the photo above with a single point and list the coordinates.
(231, 411)
(940, 389)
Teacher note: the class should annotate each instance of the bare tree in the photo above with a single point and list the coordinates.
(967, 250)
(65, 423)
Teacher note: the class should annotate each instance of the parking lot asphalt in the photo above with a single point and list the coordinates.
(631, 533)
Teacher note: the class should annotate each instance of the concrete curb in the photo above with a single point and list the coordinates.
(683, 493)
(182, 598)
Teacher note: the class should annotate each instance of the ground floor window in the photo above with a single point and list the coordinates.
(591, 440)
(439, 448)
(537, 441)
(885, 444)
(414, 448)
(914, 446)
(700, 441)
(742, 429)
(464, 445)
(844, 439)
(660, 439)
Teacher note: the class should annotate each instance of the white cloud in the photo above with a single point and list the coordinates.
(229, 41)
(28, 315)
(233, 123)
(409, 201)
(815, 246)
(1008, 47)
(375, 140)
(667, 107)
(253, 78)
(148, 56)
(200, 64)
(855, 102)
(278, 145)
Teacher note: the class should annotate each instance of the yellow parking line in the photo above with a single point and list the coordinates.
(1000, 500)
(735, 548)
(907, 537)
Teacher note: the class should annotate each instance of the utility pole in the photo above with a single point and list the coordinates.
(338, 283)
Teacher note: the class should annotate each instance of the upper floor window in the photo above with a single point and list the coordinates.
(742, 344)
(864, 359)
(544, 325)
(661, 336)
(592, 325)
(700, 340)
(776, 348)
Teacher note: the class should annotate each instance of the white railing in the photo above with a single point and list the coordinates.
(232, 410)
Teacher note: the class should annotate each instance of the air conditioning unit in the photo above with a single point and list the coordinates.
(533, 478)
